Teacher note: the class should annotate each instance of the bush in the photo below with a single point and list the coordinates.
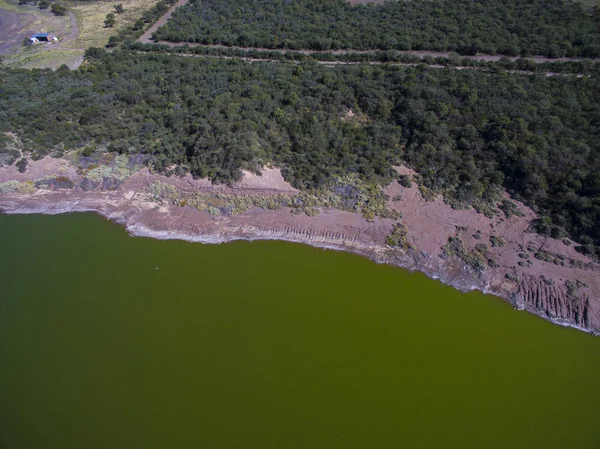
(493, 263)
(113, 41)
(110, 21)
(22, 165)
(58, 9)
(497, 241)
(481, 247)
(456, 247)
(397, 238)
(405, 181)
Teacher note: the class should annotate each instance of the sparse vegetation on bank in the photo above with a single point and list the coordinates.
(398, 237)
(456, 247)
(17, 186)
(347, 194)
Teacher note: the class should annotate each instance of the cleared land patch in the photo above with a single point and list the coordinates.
(83, 27)
(18, 22)
(91, 16)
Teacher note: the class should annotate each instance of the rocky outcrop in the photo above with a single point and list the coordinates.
(557, 303)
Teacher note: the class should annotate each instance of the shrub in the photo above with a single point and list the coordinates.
(110, 21)
(456, 247)
(493, 263)
(397, 238)
(497, 241)
(58, 9)
(405, 181)
(22, 165)
(510, 208)
(481, 247)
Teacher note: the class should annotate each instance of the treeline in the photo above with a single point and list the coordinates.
(469, 134)
(583, 67)
(554, 28)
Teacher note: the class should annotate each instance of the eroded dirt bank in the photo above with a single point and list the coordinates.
(542, 275)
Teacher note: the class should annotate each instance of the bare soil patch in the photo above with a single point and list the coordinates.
(13, 29)
(18, 22)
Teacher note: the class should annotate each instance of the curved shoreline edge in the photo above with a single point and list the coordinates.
(448, 274)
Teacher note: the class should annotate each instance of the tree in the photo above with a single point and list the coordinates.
(43, 4)
(112, 41)
(139, 25)
(119, 8)
(58, 9)
(110, 21)
(22, 165)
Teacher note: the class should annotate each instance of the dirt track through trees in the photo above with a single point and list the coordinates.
(146, 38)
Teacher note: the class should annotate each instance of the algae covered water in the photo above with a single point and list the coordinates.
(112, 341)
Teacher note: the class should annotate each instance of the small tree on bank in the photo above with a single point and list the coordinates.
(22, 165)
(110, 21)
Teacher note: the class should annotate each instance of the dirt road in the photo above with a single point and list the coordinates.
(146, 38)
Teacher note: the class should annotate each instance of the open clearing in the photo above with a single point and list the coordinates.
(20, 21)
(81, 29)
(90, 20)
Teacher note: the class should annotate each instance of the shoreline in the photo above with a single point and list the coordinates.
(464, 249)
(413, 262)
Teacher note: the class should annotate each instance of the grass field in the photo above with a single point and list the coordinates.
(46, 58)
(90, 20)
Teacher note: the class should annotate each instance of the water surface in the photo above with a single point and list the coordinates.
(120, 342)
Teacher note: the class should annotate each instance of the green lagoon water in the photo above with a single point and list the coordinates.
(108, 341)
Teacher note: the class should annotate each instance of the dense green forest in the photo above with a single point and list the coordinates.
(514, 27)
(468, 133)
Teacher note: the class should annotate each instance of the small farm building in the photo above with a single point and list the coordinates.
(42, 37)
